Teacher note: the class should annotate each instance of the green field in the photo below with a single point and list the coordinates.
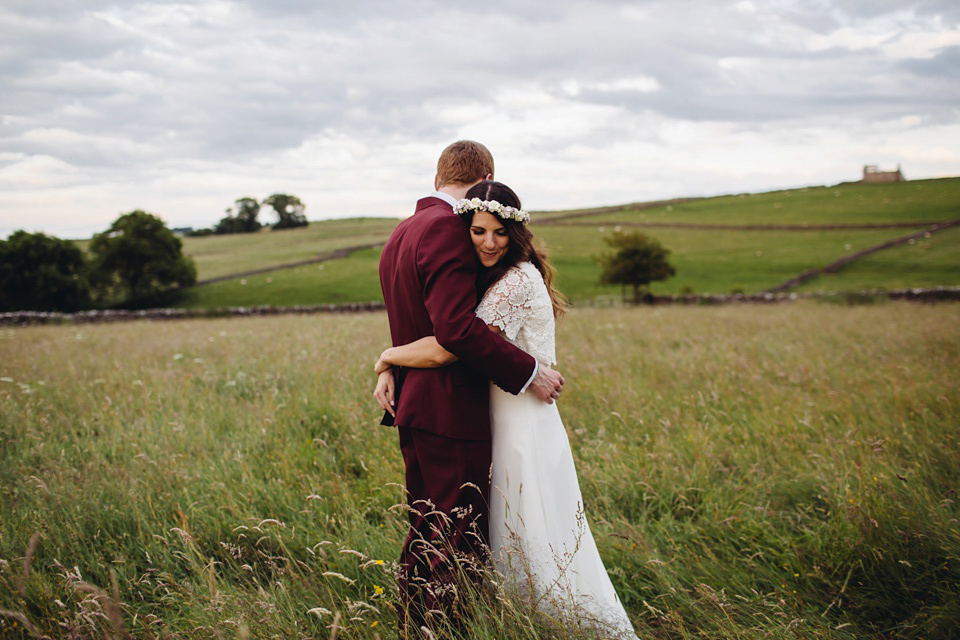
(927, 262)
(852, 203)
(217, 256)
(749, 472)
(351, 279)
(707, 260)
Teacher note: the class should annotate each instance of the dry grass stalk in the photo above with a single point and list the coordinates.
(28, 561)
(111, 608)
(22, 619)
(335, 627)
(212, 580)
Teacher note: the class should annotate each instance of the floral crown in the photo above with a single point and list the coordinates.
(491, 206)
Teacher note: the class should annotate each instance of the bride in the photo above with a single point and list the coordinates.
(539, 537)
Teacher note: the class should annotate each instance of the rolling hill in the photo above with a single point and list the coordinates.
(735, 243)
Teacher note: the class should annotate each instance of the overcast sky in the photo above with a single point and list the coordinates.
(180, 108)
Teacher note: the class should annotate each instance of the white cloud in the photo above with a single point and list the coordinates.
(921, 44)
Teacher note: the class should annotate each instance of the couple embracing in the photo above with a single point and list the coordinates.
(489, 473)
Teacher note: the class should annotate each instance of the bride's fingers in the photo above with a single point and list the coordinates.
(388, 404)
(384, 396)
(385, 404)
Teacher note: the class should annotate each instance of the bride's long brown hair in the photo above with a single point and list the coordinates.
(520, 248)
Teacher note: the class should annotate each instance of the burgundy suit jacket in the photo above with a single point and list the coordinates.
(428, 273)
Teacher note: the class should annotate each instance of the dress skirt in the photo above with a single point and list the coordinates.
(539, 536)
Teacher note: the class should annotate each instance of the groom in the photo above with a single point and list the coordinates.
(428, 274)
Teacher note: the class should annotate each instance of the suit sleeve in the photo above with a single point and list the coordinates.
(447, 265)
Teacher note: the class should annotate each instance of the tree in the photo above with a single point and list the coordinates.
(289, 211)
(636, 260)
(247, 210)
(244, 222)
(137, 259)
(42, 273)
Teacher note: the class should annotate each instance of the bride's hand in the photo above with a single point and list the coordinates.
(382, 363)
(384, 391)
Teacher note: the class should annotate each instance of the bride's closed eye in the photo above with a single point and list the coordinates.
(479, 231)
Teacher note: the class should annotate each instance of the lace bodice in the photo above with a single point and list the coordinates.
(520, 305)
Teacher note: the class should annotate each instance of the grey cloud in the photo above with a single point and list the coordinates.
(949, 9)
(778, 83)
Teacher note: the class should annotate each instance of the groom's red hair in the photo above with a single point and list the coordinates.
(463, 163)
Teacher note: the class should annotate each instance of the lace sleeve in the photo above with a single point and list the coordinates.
(507, 303)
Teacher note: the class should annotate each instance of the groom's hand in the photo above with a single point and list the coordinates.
(547, 385)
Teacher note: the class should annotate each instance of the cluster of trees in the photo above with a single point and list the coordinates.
(635, 260)
(138, 261)
(242, 218)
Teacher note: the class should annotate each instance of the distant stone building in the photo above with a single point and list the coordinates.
(871, 173)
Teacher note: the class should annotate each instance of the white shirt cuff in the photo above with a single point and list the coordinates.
(536, 368)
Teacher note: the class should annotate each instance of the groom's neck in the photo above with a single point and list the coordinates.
(457, 191)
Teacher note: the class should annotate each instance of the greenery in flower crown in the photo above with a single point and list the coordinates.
(491, 206)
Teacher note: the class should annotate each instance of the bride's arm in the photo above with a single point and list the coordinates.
(425, 353)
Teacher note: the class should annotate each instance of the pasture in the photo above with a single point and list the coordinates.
(749, 471)
(707, 260)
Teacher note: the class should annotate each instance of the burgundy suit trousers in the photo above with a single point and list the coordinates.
(448, 488)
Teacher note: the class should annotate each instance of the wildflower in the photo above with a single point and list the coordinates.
(377, 590)
(379, 562)
(373, 625)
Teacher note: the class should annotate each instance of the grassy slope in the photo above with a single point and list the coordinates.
(222, 255)
(928, 262)
(352, 279)
(706, 261)
(749, 472)
(724, 261)
(843, 204)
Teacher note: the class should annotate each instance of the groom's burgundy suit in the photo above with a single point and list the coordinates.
(428, 276)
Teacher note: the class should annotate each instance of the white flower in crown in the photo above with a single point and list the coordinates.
(491, 206)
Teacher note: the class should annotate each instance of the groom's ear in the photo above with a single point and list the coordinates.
(436, 182)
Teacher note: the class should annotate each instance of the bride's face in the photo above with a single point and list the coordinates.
(489, 237)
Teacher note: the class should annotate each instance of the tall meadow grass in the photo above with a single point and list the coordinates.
(749, 471)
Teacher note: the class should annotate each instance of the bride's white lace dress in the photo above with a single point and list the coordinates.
(539, 535)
